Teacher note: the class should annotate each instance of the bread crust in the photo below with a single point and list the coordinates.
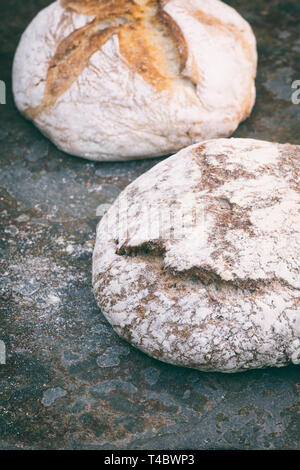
(197, 262)
(153, 76)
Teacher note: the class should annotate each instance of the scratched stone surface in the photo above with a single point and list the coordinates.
(69, 382)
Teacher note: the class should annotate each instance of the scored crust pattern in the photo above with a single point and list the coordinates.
(152, 60)
(223, 295)
(135, 24)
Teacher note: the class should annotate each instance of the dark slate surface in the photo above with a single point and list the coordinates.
(69, 381)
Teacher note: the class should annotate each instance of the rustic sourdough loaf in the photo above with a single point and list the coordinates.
(197, 262)
(125, 79)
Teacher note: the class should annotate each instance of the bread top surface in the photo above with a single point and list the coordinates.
(174, 71)
(144, 40)
(150, 40)
(225, 210)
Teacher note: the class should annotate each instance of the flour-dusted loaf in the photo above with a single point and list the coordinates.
(197, 263)
(126, 79)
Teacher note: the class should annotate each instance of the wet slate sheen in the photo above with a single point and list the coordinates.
(69, 381)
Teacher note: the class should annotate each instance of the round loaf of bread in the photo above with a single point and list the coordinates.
(128, 79)
(197, 263)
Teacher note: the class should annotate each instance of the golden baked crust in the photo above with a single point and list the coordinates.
(138, 41)
(143, 55)
(143, 18)
(102, 9)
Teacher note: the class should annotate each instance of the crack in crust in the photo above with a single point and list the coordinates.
(155, 251)
(178, 35)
